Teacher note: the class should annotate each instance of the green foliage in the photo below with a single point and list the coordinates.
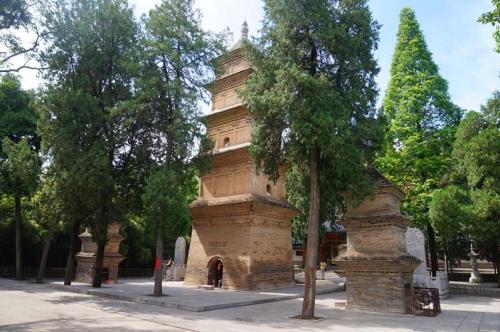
(16, 18)
(493, 18)
(312, 99)
(166, 204)
(46, 207)
(13, 14)
(422, 121)
(314, 88)
(297, 194)
(19, 171)
(476, 152)
(177, 63)
(491, 109)
(138, 245)
(448, 211)
(90, 133)
(17, 115)
(476, 156)
(471, 203)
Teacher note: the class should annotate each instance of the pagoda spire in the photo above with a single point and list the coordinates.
(244, 29)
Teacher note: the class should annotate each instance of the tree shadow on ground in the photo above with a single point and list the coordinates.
(457, 310)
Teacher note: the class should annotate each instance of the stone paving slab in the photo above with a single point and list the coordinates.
(30, 307)
(186, 298)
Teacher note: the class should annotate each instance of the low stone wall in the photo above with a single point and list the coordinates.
(58, 272)
(31, 272)
(484, 289)
(464, 276)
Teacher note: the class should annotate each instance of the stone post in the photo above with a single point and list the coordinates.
(475, 276)
(85, 258)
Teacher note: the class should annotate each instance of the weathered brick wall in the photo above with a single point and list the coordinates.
(255, 255)
(377, 291)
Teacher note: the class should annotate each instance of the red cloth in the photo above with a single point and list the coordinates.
(157, 264)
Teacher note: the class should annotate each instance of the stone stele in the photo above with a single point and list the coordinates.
(86, 257)
(178, 269)
(180, 252)
(415, 242)
(378, 268)
(241, 237)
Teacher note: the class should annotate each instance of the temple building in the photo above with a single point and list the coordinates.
(332, 239)
(241, 236)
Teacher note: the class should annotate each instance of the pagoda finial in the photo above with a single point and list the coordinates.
(244, 29)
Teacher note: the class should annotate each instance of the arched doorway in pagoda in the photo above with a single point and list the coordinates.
(215, 270)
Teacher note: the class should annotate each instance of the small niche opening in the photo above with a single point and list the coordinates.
(268, 190)
(226, 142)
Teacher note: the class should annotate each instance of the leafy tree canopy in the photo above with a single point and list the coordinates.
(16, 16)
(13, 14)
(493, 18)
(422, 120)
(19, 171)
(176, 65)
(314, 87)
(471, 203)
(17, 115)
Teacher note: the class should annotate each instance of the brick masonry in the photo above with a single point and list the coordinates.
(378, 268)
(240, 217)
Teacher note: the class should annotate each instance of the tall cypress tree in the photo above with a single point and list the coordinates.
(422, 123)
(177, 61)
(19, 165)
(312, 99)
(93, 137)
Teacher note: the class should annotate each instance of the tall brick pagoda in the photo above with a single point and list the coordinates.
(241, 235)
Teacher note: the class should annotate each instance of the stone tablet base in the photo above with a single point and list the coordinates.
(380, 284)
(86, 267)
(175, 273)
(374, 292)
(441, 283)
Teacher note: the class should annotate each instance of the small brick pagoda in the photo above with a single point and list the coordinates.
(378, 268)
(241, 236)
(112, 257)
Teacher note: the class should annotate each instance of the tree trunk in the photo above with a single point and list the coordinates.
(101, 236)
(312, 240)
(45, 253)
(68, 273)
(446, 263)
(432, 249)
(158, 289)
(450, 263)
(99, 258)
(496, 259)
(19, 235)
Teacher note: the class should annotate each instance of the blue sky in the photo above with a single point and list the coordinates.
(462, 48)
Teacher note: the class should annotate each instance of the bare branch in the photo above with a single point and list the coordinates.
(23, 51)
(17, 69)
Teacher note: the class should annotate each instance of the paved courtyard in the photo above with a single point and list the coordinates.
(187, 298)
(30, 307)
